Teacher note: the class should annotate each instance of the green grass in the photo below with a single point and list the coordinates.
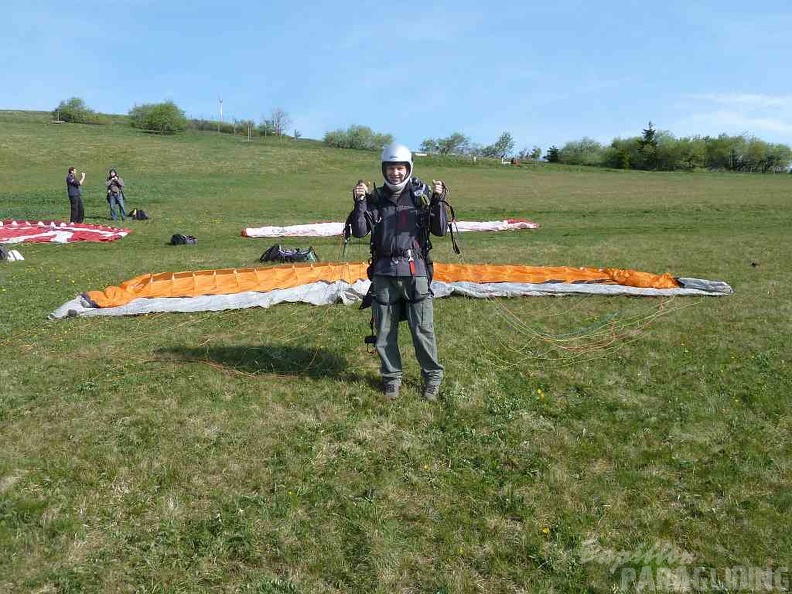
(249, 451)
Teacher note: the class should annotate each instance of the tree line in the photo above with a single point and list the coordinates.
(655, 150)
(168, 118)
(364, 138)
(651, 150)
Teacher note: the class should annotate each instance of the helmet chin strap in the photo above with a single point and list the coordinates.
(397, 187)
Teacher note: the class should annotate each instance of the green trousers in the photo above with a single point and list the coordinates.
(405, 297)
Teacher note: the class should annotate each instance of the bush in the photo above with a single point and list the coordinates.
(357, 137)
(586, 151)
(75, 111)
(235, 127)
(165, 118)
(455, 144)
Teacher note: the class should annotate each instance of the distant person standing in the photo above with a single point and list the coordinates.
(75, 195)
(115, 194)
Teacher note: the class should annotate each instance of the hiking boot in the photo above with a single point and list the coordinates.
(391, 391)
(431, 392)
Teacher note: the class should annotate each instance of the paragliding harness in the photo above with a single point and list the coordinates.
(277, 254)
(423, 204)
(138, 214)
(179, 239)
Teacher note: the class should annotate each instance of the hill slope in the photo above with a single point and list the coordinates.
(249, 450)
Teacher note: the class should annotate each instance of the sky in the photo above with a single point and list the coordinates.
(546, 72)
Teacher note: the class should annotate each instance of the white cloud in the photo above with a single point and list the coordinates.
(747, 100)
(768, 117)
(735, 121)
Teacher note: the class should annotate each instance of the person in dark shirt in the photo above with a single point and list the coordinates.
(400, 216)
(75, 195)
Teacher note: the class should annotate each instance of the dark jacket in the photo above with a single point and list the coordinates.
(400, 227)
(73, 186)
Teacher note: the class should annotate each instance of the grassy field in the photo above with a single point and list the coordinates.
(249, 451)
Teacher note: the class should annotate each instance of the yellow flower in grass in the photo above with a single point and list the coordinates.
(545, 530)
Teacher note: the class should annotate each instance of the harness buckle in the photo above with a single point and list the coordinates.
(411, 261)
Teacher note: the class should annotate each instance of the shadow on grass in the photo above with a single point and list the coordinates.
(268, 359)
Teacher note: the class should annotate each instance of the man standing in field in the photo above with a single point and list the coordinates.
(400, 216)
(75, 195)
(115, 194)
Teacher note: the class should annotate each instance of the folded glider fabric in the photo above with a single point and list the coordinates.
(347, 282)
(12, 231)
(333, 229)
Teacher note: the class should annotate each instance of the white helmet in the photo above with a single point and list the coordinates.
(396, 153)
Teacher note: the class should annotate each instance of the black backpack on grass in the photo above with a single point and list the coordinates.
(138, 214)
(179, 239)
